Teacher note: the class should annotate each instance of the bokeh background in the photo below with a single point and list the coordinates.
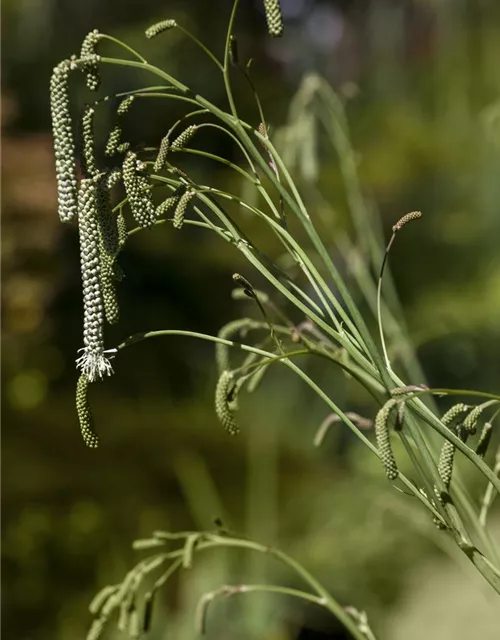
(421, 85)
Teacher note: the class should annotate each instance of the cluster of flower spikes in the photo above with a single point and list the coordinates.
(102, 233)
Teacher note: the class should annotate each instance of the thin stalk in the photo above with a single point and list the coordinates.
(135, 53)
(379, 296)
(200, 44)
(226, 68)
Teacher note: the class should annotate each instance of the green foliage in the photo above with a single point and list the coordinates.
(333, 325)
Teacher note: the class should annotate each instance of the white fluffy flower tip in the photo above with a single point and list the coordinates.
(95, 365)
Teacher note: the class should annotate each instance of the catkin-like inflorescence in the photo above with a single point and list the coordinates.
(93, 362)
(445, 464)
(182, 140)
(109, 295)
(180, 209)
(224, 402)
(484, 439)
(165, 206)
(447, 455)
(141, 203)
(159, 27)
(123, 147)
(89, 436)
(108, 225)
(470, 422)
(384, 441)
(274, 17)
(453, 412)
(113, 178)
(91, 60)
(108, 249)
(113, 141)
(413, 215)
(88, 142)
(122, 229)
(162, 154)
(125, 105)
(64, 144)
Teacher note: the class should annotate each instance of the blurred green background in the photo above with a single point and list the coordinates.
(421, 83)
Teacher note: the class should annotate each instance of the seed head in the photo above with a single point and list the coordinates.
(123, 147)
(88, 142)
(90, 437)
(453, 412)
(113, 178)
(122, 229)
(224, 402)
(414, 215)
(182, 140)
(93, 362)
(274, 18)
(180, 209)
(91, 60)
(64, 145)
(162, 154)
(165, 206)
(113, 140)
(470, 422)
(384, 441)
(108, 249)
(139, 196)
(125, 105)
(484, 439)
(159, 27)
(445, 464)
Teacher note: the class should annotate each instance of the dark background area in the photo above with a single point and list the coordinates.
(424, 89)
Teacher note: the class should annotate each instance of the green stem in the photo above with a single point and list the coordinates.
(227, 66)
(135, 53)
(200, 45)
